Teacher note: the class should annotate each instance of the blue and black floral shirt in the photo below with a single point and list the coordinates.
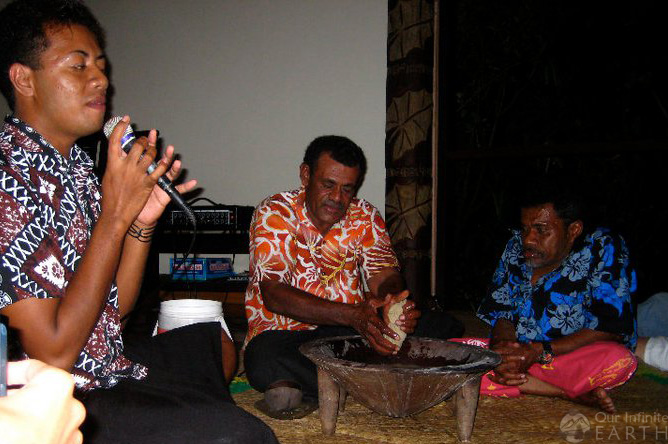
(591, 289)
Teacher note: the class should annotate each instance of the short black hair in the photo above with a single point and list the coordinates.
(23, 26)
(341, 149)
(564, 191)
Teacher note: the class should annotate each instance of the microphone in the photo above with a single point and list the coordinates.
(127, 141)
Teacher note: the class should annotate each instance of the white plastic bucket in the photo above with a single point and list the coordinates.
(180, 312)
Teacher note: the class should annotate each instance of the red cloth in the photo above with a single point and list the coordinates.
(601, 364)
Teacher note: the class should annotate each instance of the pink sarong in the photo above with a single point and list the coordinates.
(601, 364)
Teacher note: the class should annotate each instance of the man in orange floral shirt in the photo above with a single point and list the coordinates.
(311, 251)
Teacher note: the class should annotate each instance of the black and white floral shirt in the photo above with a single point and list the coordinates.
(48, 208)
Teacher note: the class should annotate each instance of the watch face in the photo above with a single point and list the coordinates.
(546, 358)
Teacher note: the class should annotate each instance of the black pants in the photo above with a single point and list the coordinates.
(183, 400)
(274, 355)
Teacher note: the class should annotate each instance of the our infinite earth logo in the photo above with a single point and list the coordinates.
(574, 425)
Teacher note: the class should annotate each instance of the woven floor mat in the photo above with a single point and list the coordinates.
(642, 416)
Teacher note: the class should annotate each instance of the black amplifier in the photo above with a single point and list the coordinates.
(213, 217)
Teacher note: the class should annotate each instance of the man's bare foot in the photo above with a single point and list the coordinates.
(597, 398)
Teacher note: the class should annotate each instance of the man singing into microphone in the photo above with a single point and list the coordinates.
(72, 252)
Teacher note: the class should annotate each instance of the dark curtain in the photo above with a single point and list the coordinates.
(408, 139)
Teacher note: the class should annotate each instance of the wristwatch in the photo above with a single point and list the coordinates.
(547, 355)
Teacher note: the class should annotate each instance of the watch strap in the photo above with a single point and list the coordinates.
(547, 356)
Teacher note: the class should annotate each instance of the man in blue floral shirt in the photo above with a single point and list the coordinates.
(560, 305)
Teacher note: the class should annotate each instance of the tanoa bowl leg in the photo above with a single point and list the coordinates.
(466, 404)
(328, 401)
(342, 398)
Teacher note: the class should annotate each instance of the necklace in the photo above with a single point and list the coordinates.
(326, 278)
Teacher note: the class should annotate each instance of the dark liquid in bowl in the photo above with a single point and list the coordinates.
(365, 355)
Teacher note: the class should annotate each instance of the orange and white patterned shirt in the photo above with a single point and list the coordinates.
(285, 246)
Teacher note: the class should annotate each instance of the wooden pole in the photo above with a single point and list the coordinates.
(434, 151)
